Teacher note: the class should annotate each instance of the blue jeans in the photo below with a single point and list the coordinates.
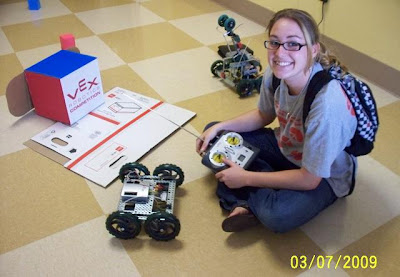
(280, 210)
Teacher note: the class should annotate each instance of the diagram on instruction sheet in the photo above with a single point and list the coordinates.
(124, 107)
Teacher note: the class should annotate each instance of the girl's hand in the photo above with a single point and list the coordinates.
(234, 177)
(205, 138)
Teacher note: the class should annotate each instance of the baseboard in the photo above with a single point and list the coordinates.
(361, 64)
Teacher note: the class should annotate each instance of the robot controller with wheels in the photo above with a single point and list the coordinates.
(238, 68)
(149, 199)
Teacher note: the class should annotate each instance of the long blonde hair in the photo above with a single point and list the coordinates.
(311, 34)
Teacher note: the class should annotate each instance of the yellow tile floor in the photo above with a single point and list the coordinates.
(52, 220)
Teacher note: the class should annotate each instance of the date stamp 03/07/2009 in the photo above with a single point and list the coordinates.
(327, 261)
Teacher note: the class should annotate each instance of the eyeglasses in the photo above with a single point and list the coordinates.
(290, 46)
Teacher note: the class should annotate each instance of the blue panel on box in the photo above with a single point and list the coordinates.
(61, 64)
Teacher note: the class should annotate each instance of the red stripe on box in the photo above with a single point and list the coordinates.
(104, 118)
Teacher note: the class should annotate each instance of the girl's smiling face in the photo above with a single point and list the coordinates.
(290, 66)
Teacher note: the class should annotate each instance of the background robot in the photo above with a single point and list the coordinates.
(238, 68)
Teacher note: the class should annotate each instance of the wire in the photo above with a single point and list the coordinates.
(244, 50)
(323, 5)
(176, 124)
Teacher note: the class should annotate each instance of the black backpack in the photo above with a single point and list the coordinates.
(361, 98)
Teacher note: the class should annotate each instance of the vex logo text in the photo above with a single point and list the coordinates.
(82, 86)
(84, 94)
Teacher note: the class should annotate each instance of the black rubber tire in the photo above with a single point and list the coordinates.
(170, 172)
(245, 87)
(135, 168)
(258, 83)
(123, 225)
(217, 66)
(162, 226)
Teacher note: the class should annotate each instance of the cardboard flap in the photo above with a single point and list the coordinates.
(18, 96)
(52, 155)
(74, 49)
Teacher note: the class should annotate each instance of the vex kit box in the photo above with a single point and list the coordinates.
(65, 86)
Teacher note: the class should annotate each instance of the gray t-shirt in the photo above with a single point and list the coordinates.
(329, 127)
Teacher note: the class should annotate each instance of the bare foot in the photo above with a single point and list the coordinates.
(239, 210)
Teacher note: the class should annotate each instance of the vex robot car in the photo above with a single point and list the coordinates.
(149, 199)
(238, 68)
